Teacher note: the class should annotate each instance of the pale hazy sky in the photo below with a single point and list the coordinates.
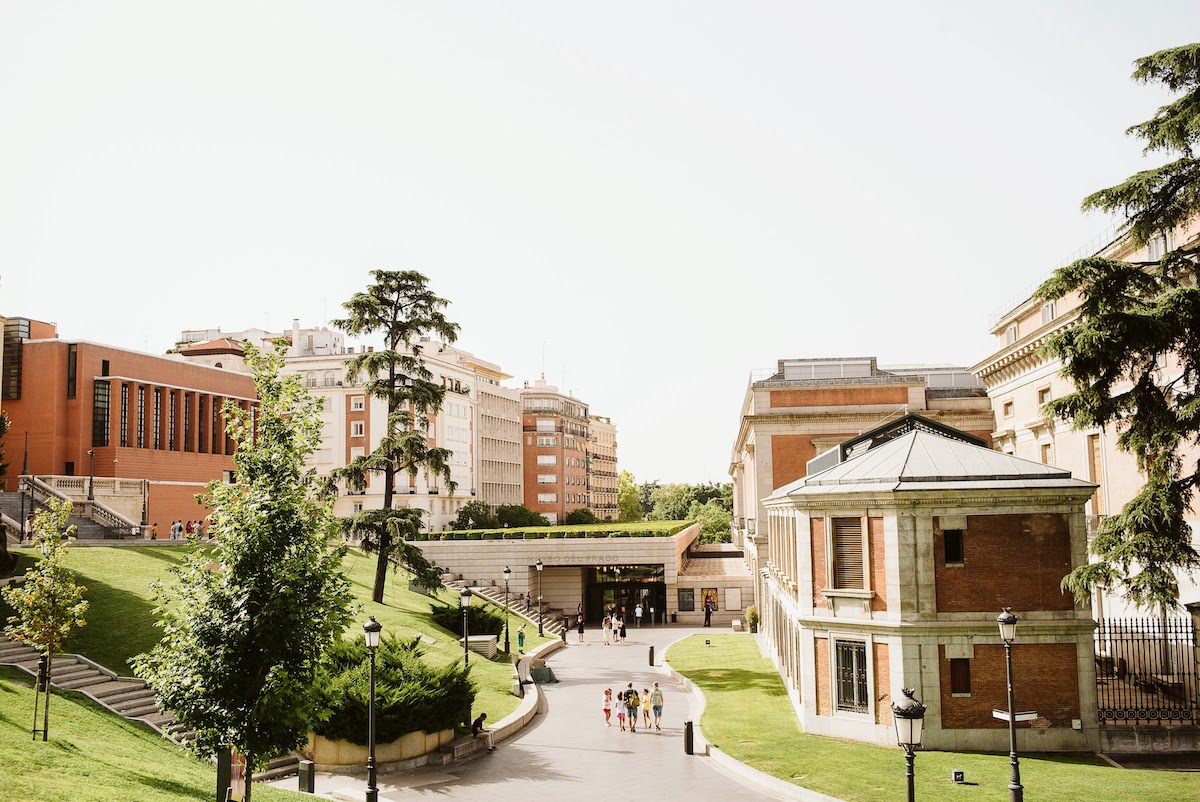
(667, 194)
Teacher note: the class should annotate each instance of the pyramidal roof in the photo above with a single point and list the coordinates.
(922, 460)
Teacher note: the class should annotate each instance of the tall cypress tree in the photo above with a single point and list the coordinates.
(1134, 318)
(400, 306)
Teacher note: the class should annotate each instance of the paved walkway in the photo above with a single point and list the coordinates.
(567, 752)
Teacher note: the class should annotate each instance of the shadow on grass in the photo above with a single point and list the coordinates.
(175, 789)
(120, 625)
(737, 679)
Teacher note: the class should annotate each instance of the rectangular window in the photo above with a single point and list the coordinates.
(157, 418)
(1047, 453)
(124, 415)
(201, 418)
(547, 498)
(187, 421)
(1008, 409)
(960, 675)
(358, 403)
(171, 396)
(358, 428)
(848, 553)
(545, 424)
(1010, 334)
(216, 437)
(141, 417)
(1043, 397)
(547, 479)
(72, 369)
(687, 600)
(851, 667)
(547, 459)
(101, 398)
(1096, 472)
(1048, 313)
(547, 441)
(953, 539)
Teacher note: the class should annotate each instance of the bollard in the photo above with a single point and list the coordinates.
(224, 759)
(651, 656)
(687, 738)
(307, 777)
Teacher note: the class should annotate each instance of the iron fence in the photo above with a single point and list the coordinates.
(1146, 671)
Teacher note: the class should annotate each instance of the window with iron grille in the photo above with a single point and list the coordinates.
(101, 399)
(848, 554)
(171, 396)
(187, 421)
(954, 549)
(157, 418)
(72, 369)
(201, 417)
(960, 675)
(124, 415)
(851, 667)
(141, 418)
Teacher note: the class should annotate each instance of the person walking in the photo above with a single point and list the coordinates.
(621, 709)
(27, 529)
(709, 606)
(528, 602)
(579, 627)
(632, 702)
(607, 627)
(154, 531)
(521, 639)
(608, 707)
(646, 708)
(656, 705)
(621, 624)
(637, 614)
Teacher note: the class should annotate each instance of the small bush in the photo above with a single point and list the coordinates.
(483, 620)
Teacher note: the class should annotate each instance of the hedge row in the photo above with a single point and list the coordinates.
(536, 535)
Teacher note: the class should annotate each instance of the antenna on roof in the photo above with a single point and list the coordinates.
(543, 359)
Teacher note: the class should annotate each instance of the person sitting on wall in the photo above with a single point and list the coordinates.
(477, 729)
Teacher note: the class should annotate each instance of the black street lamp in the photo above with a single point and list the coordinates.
(507, 574)
(21, 482)
(909, 717)
(91, 475)
(1008, 633)
(538, 565)
(372, 629)
(464, 601)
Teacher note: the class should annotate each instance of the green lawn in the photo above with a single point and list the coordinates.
(94, 756)
(120, 621)
(749, 718)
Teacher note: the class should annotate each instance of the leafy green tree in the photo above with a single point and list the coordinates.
(580, 516)
(476, 515)
(1134, 317)
(671, 502)
(49, 604)
(247, 620)
(5, 426)
(400, 306)
(646, 496)
(513, 516)
(629, 505)
(714, 521)
(709, 491)
(400, 526)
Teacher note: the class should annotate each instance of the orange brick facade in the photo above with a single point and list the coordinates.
(1056, 703)
(840, 396)
(1013, 561)
(878, 557)
(823, 676)
(817, 528)
(143, 417)
(883, 695)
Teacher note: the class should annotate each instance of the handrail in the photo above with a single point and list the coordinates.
(118, 525)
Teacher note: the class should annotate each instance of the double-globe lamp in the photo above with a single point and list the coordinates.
(507, 575)
(464, 601)
(1008, 633)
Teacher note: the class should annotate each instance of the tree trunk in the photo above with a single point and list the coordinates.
(389, 479)
(249, 773)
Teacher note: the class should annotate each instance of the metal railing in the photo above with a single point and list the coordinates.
(1146, 671)
(116, 525)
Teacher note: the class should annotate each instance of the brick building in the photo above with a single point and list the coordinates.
(602, 469)
(152, 424)
(887, 571)
(557, 430)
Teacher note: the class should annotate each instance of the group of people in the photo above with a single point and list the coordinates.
(181, 529)
(614, 627)
(628, 703)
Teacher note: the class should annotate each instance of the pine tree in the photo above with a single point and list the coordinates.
(1135, 317)
(399, 305)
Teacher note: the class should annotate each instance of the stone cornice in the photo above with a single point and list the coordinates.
(948, 497)
(1023, 355)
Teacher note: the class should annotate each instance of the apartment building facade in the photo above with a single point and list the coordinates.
(557, 432)
(602, 469)
(1020, 380)
(147, 428)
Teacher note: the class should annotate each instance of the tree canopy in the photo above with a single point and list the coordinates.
(1134, 354)
(475, 515)
(247, 619)
(400, 306)
(629, 503)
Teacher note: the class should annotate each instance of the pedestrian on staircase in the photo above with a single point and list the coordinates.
(27, 531)
(521, 639)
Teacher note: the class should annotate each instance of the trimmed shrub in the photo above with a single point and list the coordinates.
(483, 620)
(410, 695)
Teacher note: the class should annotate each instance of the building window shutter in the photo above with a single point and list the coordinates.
(848, 553)
(960, 675)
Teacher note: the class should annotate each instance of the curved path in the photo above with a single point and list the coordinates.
(567, 752)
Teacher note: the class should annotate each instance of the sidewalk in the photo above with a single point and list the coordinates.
(567, 752)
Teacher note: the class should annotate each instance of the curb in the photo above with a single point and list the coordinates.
(744, 773)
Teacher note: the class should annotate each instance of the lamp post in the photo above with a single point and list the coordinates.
(372, 629)
(507, 574)
(21, 481)
(91, 475)
(538, 565)
(909, 717)
(464, 601)
(1008, 633)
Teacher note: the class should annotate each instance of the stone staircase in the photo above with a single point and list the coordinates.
(85, 528)
(552, 620)
(126, 696)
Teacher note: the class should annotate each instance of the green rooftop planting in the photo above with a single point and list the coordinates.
(606, 529)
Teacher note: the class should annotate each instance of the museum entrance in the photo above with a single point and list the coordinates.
(623, 588)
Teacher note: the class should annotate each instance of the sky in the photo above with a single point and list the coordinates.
(646, 201)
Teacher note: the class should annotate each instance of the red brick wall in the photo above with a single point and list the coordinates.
(1056, 702)
(817, 539)
(1012, 561)
(821, 651)
(789, 454)
(883, 684)
(839, 396)
(878, 568)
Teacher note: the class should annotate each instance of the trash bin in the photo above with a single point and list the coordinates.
(674, 618)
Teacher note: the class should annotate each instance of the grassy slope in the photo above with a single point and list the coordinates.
(121, 617)
(749, 717)
(94, 756)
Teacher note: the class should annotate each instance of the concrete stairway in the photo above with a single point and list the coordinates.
(552, 620)
(85, 528)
